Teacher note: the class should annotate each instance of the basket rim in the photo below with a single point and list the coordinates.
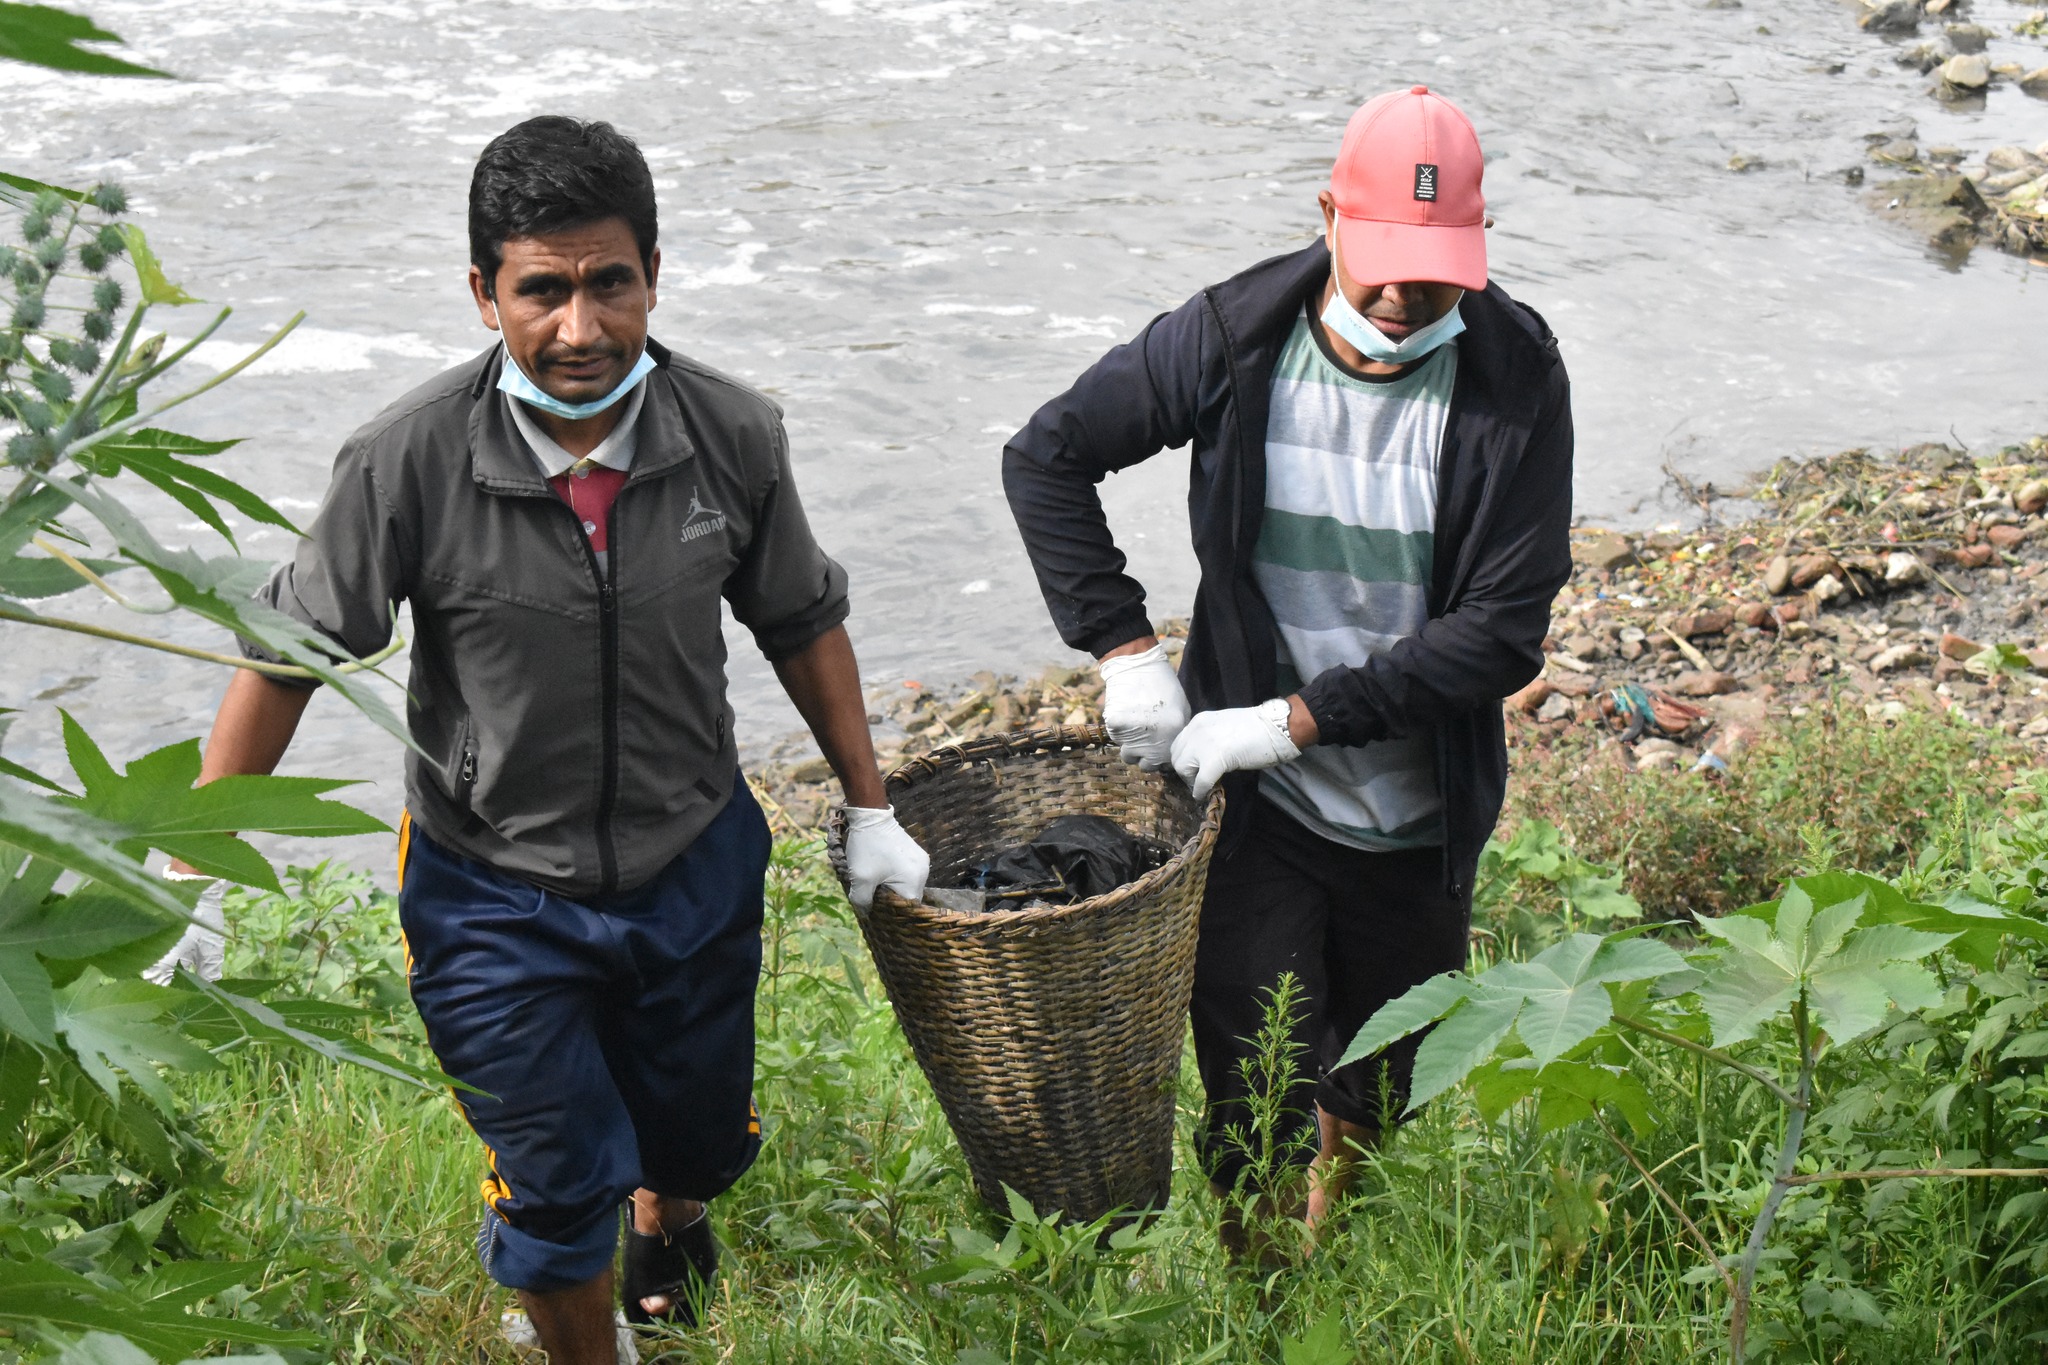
(1054, 739)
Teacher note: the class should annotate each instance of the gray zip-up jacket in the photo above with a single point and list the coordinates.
(575, 724)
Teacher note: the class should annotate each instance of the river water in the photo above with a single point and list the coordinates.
(913, 222)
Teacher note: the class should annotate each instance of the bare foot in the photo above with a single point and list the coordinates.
(1342, 1146)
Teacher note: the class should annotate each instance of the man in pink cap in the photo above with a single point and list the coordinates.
(1380, 494)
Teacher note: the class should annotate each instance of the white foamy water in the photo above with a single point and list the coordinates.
(912, 223)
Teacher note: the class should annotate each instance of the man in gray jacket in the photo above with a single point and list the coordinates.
(581, 864)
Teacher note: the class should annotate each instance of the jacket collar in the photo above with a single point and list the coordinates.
(501, 462)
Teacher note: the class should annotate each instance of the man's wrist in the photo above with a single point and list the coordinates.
(864, 788)
(1137, 646)
(1301, 726)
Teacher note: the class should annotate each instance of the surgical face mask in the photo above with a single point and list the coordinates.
(513, 380)
(1347, 322)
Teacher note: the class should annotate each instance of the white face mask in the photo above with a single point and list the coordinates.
(1347, 322)
(513, 380)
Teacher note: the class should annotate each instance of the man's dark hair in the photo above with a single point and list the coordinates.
(551, 173)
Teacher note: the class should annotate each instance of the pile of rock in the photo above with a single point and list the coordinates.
(2003, 200)
(1959, 57)
(1904, 581)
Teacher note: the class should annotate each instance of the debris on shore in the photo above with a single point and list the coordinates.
(1910, 580)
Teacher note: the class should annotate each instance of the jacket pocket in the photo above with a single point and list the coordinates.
(462, 772)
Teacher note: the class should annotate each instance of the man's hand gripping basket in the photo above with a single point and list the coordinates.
(1052, 1035)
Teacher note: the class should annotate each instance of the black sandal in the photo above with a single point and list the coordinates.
(678, 1266)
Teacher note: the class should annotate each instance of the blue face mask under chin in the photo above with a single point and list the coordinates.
(513, 380)
(1347, 322)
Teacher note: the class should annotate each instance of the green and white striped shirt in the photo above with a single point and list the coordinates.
(1344, 558)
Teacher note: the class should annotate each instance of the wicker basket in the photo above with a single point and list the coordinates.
(1052, 1035)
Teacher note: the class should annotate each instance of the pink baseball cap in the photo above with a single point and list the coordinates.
(1406, 184)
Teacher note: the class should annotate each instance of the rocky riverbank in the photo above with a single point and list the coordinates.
(2001, 200)
(1914, 579)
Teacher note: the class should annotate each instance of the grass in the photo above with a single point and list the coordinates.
(1875, 792)
(856, 1237)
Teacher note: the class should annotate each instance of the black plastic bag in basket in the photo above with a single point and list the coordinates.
(1073, 858)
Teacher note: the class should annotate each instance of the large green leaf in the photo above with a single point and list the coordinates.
(1464, 1038)
(261, 1021)
(1411, 1012)
(38, 1294)
(152, 455)
(103, 1348)
(112, 1028)
(1978, 929)
(1740, 992)
(1564, 988)
(93, 925)
(1554, 1002)
(1849, 974)
(25, 1001)
(1500, 1084)
(1571, 1092)
(21, 520)
(44, 36)
(159, 806)
(1875, 967)
(55, 829)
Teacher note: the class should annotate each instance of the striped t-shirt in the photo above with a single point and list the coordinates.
(1344, 559)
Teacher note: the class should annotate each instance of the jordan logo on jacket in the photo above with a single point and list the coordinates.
(702, 521)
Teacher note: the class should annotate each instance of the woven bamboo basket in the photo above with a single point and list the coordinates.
(1052, 1035)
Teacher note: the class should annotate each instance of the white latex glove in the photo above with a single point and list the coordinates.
(201, 950)
(1143, 706)
(1220, 742)
(880, 853)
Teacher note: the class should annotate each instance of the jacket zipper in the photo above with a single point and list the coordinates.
(608, 635)
(608, 686)
(466, 772)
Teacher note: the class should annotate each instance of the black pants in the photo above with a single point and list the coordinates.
(1356, 929)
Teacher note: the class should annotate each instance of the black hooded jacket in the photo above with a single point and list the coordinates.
(1202, 374)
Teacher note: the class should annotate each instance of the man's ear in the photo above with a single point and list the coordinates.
(653, 274)
(486, 306)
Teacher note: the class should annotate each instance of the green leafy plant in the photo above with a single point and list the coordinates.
(1531, 886)
(1820, 969)
(1883, 789)
(87, 1051)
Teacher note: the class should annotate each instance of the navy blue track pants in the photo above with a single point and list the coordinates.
(613, 1038)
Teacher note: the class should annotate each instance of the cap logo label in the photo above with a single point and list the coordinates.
(1425, 181)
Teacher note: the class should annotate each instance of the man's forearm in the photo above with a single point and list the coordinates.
(823, 679)
(256, 722)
